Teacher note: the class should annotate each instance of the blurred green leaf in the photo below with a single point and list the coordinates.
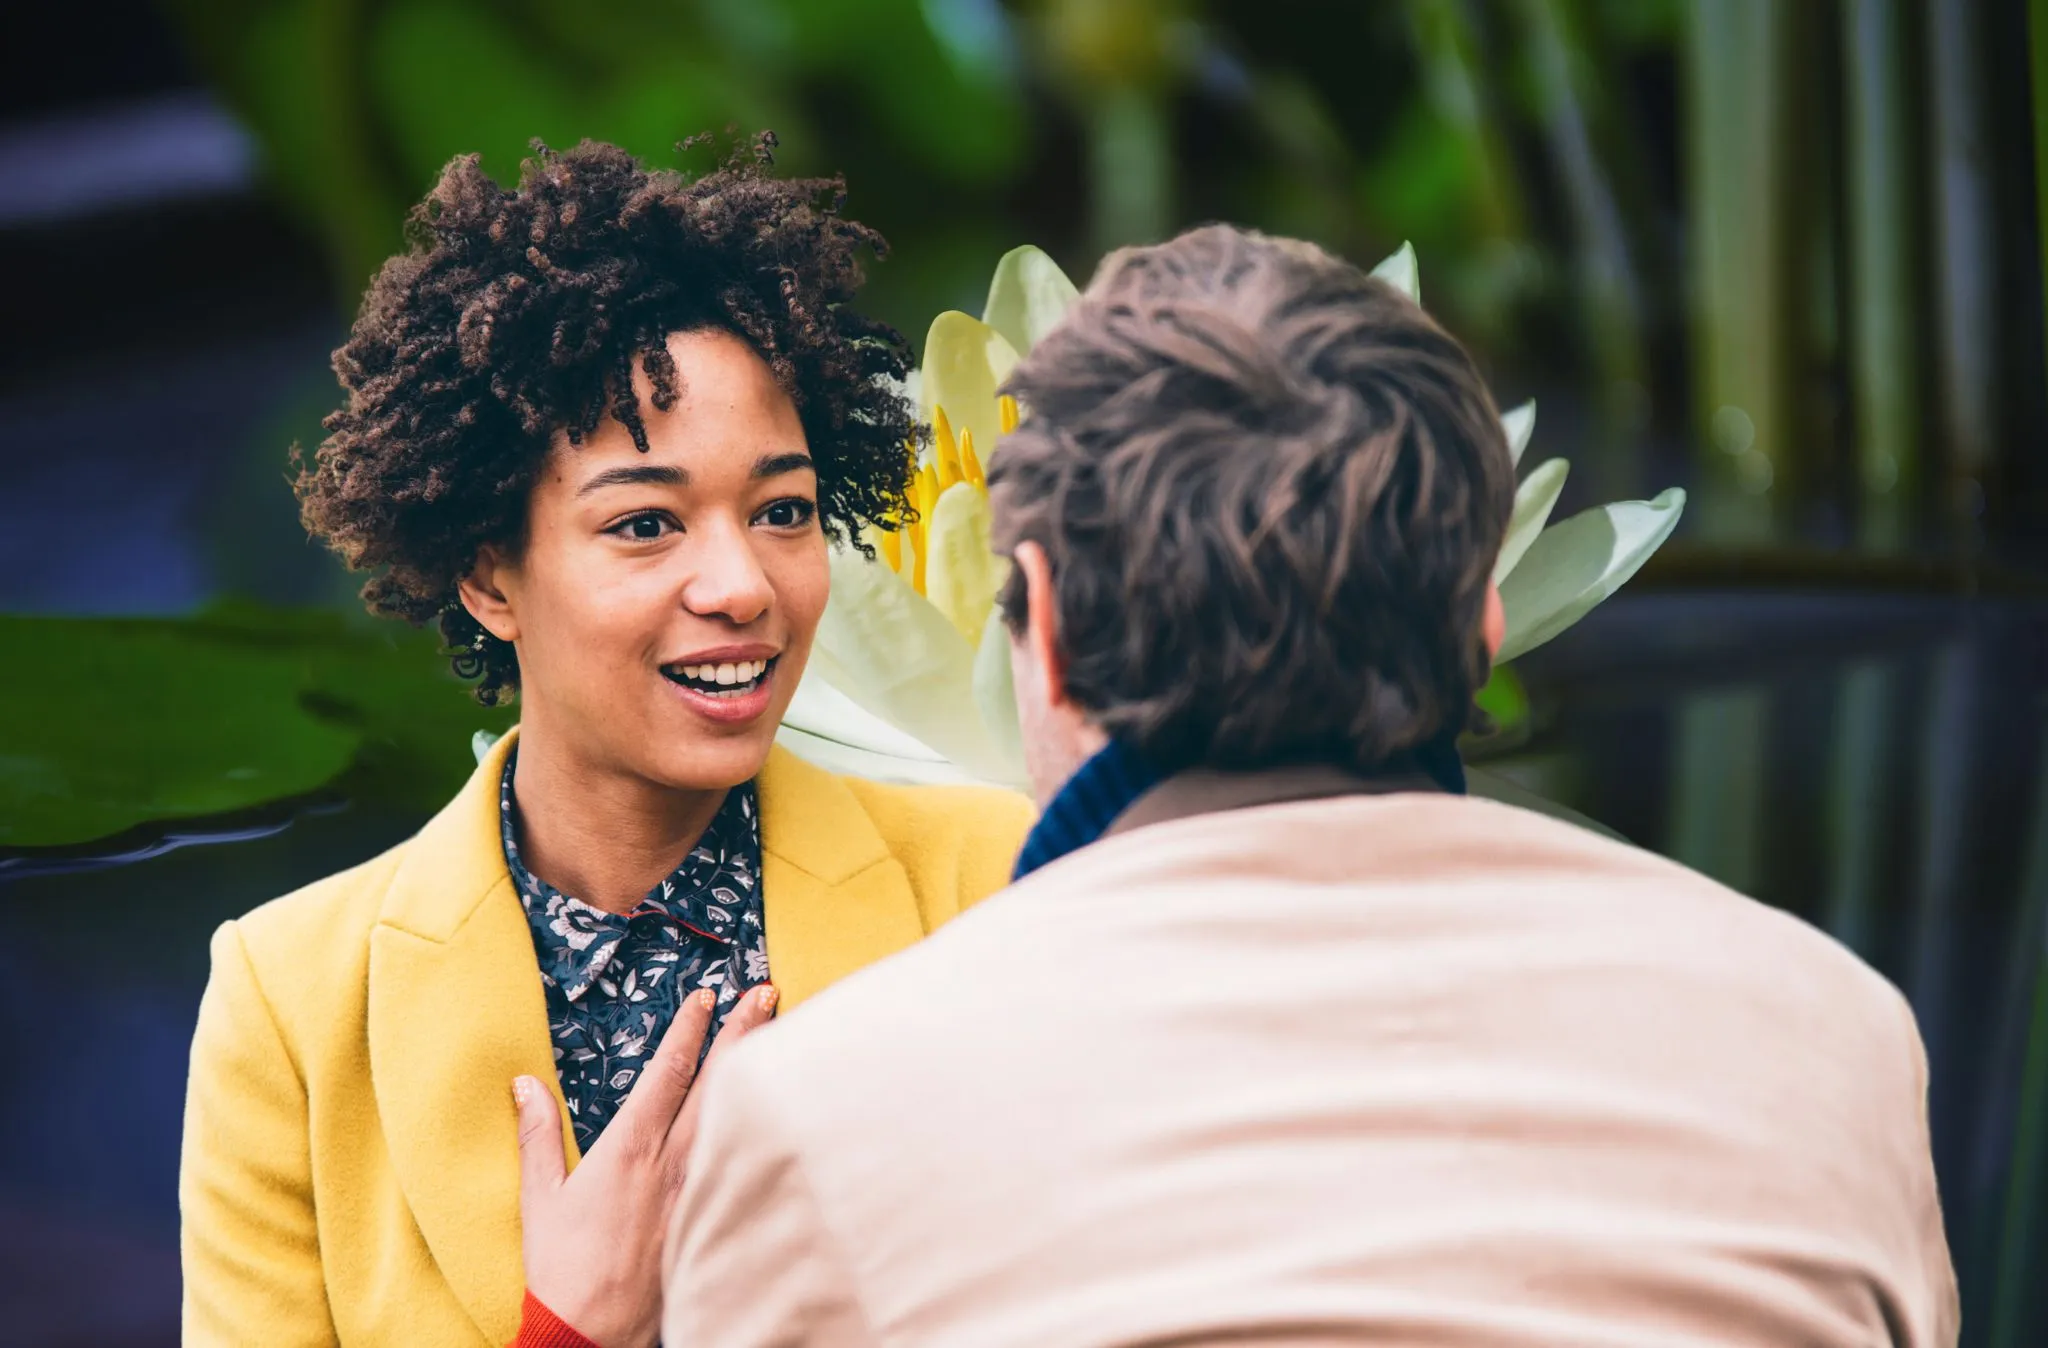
(1504, 700)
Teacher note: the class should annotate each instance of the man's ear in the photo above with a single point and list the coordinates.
(1493, 623)
(1041, 635)
(485, 591)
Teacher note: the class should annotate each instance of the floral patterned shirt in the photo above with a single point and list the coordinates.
(614, 981)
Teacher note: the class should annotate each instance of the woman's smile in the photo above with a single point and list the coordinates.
(731, 685)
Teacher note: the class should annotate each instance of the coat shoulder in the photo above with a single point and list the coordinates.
(957, 843)
(306, 947)
(964, 818)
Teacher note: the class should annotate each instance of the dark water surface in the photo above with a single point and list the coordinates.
(1873, 764)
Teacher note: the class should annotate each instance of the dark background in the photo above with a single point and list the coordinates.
(1787, 255)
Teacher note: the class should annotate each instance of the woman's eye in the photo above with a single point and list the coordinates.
(643, 528)
(790, 513)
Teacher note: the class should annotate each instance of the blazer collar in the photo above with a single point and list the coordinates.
(834, 897)
(456, 1009)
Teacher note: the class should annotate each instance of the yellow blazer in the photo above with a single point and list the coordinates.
(350, 1171)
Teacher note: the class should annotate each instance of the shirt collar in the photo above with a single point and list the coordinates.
(707, 894)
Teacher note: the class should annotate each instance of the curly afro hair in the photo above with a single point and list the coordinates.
(517, 314)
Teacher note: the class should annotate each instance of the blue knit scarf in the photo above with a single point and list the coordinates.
(1107, 784)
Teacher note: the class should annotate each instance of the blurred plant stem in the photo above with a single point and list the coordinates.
(1739, 112)
(2026, 1194)
(2037, 62)
(1454, 78)
(1863, 769)
(1118, 62)
(1966, 258)
(1883, 300)
(1609, 292)
(365, 226)
(1716, 791)
(1130, 169)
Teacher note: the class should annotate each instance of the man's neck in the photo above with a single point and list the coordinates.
(605, 837)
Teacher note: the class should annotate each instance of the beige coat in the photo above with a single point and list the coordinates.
(1386, 1069)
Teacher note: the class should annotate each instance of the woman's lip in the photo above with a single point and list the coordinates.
(739, 710)
(724, 655)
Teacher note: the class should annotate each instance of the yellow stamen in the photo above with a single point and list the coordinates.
(1006, 406)
(945, 454)
(927, 501)
(970, 466)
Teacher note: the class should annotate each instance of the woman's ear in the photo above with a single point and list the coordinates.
(488, 592)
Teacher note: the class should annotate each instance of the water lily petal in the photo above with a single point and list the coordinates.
(964, 360)
(961, 575)
(1572, 566)
(1534, 500)
(1520, 424)
(896, 655)
(1401, 272)
(480, 743)
(995, 696)
(822, 711)
(1026, 298)
(855, 761)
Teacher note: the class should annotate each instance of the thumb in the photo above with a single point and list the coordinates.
(543, 1161)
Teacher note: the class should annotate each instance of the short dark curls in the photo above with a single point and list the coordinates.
(1271, 491)
(515, 314)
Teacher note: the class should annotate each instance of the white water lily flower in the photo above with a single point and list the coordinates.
(910, 676)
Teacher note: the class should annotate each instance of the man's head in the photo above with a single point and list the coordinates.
(1254, 507)
(599, 426)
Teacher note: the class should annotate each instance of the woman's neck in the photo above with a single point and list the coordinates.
(605, 837)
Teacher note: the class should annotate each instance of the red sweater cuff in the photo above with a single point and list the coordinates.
(540, 1327)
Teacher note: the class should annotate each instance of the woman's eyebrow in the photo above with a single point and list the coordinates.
(659, 474)
(775, 465)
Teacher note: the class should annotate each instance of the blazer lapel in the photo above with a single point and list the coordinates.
(834, 897)
(456, 1011)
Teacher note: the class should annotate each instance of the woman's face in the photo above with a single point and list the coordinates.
(664, 603)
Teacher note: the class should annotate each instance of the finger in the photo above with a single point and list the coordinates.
(751, 1014)
(754, 1011)
(543, 1163)
(656, 1098)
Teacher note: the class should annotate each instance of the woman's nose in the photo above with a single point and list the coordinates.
(728, 580)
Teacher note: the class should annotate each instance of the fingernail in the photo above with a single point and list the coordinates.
(521, 1088)
(769, 996)
(706, 998)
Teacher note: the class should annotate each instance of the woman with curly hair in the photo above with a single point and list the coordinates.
(600, 428)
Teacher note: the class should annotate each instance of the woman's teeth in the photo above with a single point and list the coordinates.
(727, 680)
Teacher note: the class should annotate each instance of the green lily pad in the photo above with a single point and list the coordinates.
(109, 724)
